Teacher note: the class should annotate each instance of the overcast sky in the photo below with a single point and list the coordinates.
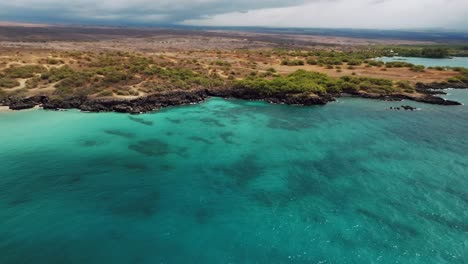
(384, 14)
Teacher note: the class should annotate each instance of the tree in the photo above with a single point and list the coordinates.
(434, 53)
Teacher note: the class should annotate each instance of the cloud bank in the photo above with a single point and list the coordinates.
(385, 14)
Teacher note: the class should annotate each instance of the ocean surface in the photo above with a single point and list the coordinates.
(230, 181)
(452, 62)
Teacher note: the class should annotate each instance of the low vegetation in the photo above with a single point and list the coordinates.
(312, 82)
(7, 82)
(26, 71)
(125, 74)
(427, 52)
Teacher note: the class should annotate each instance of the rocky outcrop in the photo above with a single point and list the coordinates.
(427, 98)
(145, 104)
(182, 97)
(425, 87)
(284, 98)
(404, 107)
(434, 100)
(64, 103)
(408, 107)
(24, 103)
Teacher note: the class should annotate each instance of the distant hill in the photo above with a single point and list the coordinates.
(16, 31)
(441, 36)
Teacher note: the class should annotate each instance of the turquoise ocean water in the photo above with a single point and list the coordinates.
(232, 181)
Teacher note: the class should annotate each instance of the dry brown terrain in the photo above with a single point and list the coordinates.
(235, 64)
(24, 35)
(225, 55)
(395, 74)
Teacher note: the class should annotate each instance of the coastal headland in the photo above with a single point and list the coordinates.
(136, 71)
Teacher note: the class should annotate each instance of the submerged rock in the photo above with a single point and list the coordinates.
(141, 121)
(408, 107)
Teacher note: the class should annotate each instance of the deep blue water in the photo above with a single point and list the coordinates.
(452, 62)
(237, 182)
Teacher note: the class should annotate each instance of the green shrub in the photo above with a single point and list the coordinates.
(6, 82)
(312, 62)
(33, 82)
(373, 85)
(292, 62)
(26, 71)
(298, 82)
(53, 61)
(57, 74)
(434, 53)
(354, 62)
(418, 68)
(311, 82)
(222, 63)
(405, 86)
(439, 68)
(375, 63)
(105, 93)
(398, 64)
(116, 77)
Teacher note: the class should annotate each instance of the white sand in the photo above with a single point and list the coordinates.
(5, 109)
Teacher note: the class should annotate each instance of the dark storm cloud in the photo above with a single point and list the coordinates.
(286, 13)
(136, 11)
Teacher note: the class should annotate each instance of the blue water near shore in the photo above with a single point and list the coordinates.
(232, 181)
(452, 62)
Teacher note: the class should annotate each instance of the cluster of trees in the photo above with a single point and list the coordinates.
(327, 58)
(461, 77)
(331, 59)
(312, 82)
(336, 58)
(376, 63)
(297, 82)
(427, 52)
(372, 85)
(434, 53)
(402, 64)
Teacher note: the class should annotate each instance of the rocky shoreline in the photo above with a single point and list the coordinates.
(183, 97)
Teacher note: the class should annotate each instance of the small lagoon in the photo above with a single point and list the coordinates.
(429, 62)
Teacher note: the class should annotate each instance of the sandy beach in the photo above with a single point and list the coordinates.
(5, 109)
